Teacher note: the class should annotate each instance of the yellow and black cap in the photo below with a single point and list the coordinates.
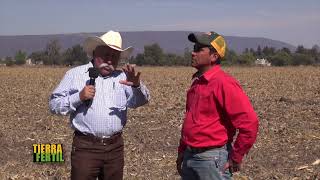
(210, 39)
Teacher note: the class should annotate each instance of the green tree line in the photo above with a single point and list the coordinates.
(281, 57)
(153, 55)
(51, 55)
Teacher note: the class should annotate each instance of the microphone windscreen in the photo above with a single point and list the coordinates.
(93, 72)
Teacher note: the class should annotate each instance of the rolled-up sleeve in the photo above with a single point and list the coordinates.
(137, 96)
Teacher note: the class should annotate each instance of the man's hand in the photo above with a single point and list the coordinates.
(87, 92)
(133, 79)
(179, 163)
(232, 165)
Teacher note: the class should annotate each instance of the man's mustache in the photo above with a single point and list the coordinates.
(103, 65)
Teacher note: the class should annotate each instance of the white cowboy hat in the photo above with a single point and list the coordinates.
(112, 39)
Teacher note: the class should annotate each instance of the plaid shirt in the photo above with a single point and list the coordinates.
(107, 114)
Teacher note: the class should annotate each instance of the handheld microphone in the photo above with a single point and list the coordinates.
(93, 74)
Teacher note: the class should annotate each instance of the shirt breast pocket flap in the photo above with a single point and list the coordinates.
(119, 99)
(205, 104)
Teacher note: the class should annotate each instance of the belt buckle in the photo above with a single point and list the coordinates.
(104, 139)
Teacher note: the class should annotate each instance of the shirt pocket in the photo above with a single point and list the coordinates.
(204, 108)
(119, 98)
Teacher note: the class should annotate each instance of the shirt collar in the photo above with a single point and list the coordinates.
(211, 72)
(114, 73)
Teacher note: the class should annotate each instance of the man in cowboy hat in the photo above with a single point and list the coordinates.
(97, 149)
(216, 107)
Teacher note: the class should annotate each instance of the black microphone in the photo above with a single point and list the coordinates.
(93, 74)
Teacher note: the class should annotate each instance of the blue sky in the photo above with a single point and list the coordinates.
(293, 21)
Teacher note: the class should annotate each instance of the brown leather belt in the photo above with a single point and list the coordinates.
(201, 149)
(94, 138)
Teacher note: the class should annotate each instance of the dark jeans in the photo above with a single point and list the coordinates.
(94, 159)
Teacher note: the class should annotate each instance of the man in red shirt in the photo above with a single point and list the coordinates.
(216, 108)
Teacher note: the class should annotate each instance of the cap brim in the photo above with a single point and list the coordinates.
(192, 38)
(91, 43)
(200, 39)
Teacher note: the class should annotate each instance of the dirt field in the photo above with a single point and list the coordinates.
(287, 101)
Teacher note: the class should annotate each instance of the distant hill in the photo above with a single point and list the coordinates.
(169, 41)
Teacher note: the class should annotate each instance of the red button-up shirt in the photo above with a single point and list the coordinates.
(216, 107)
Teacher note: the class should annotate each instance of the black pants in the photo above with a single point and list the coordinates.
(92, 158)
